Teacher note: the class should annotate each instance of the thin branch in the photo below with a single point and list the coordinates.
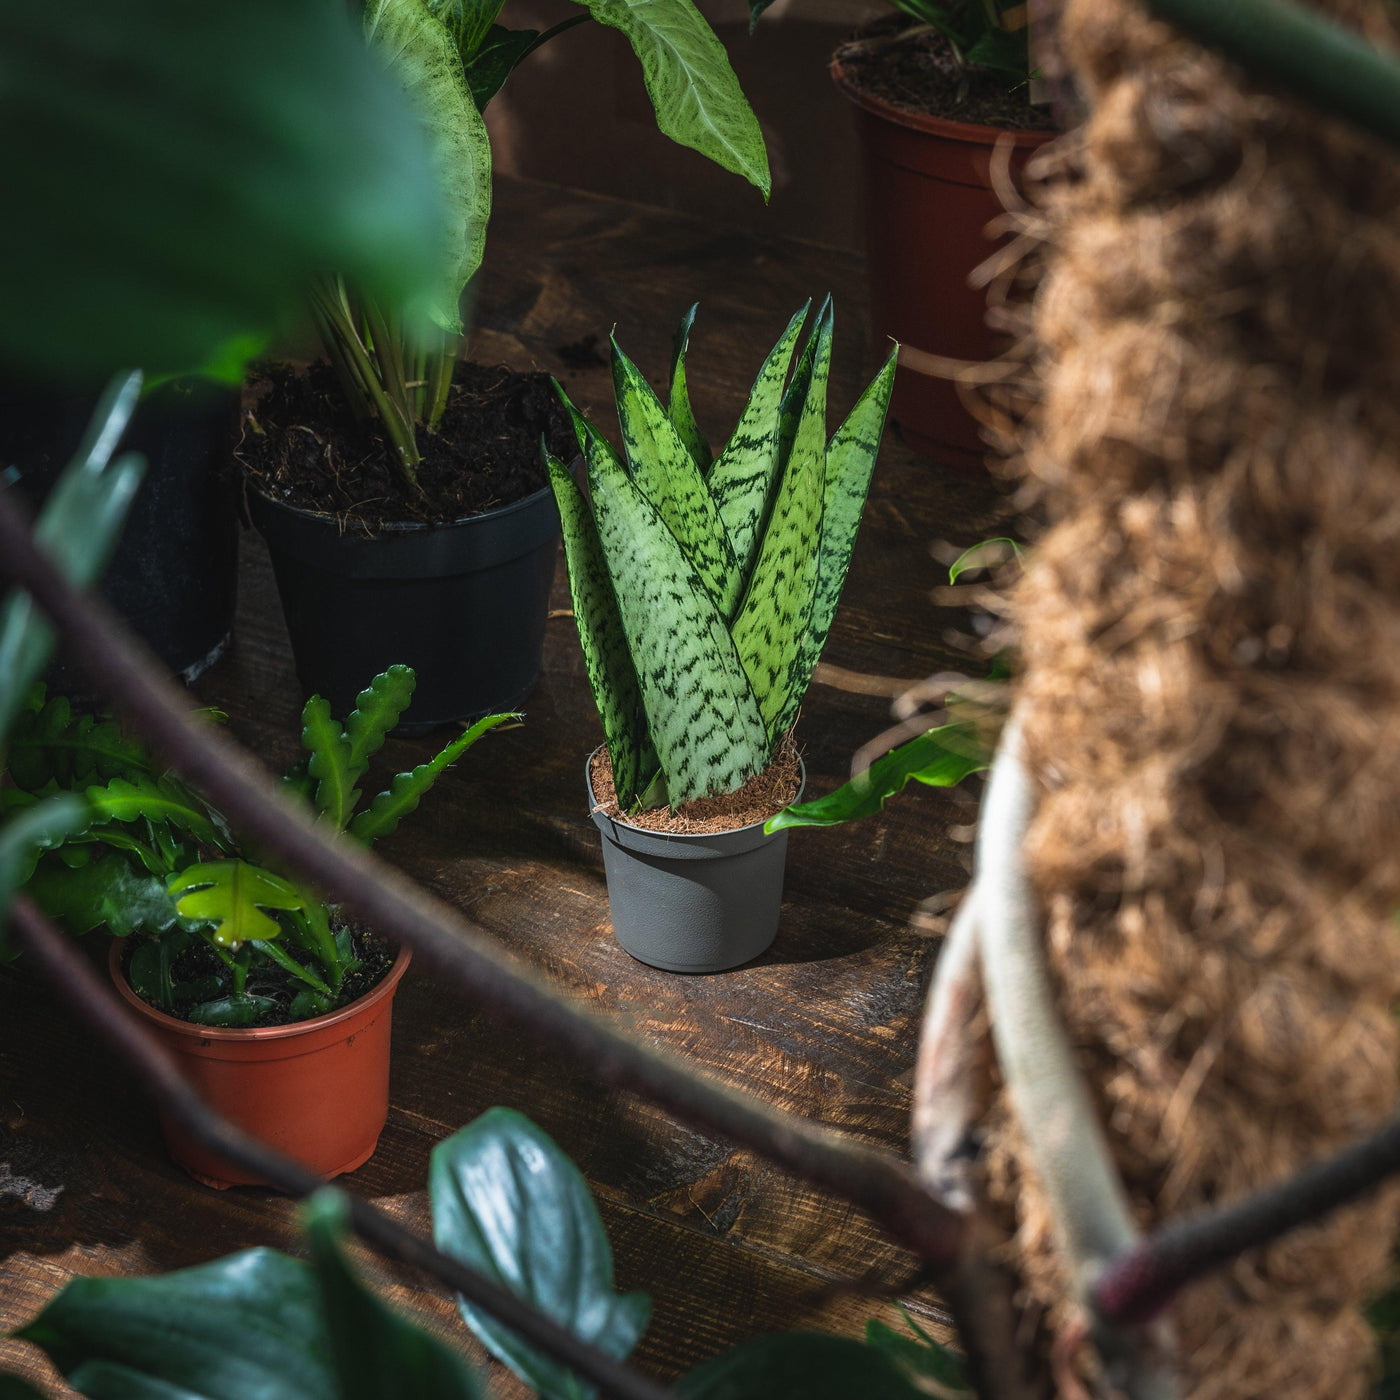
(1137, 1285)
(377, 893)
(101, 1009)
(1062, 1131)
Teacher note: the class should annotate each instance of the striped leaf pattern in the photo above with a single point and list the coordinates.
(667, 476)
(703, 719)
(703, 599)
(850, 462)
(772, 623)
(741, 481)
(682, 416)
(611, 675)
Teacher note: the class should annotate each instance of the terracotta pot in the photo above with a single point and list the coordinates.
(317, 1090)
(928, 198)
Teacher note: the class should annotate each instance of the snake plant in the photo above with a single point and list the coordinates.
(704, 588)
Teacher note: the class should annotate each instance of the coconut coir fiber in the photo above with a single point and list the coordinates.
(763, 796)
(1210, 630)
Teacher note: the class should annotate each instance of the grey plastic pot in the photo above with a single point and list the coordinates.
(700, 903)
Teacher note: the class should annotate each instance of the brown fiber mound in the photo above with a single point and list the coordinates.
(1211, 636)
(763, 796)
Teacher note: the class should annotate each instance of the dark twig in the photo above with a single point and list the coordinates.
(1139, 1283)
(375, 892)
(101, 1009)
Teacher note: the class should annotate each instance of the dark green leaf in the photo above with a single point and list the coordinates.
(930, 1365)
(231, 895)
(757, 9)
(51, 742)
(467, 21)
(798, 1366)
(186, 169)
(78, 527)
(495, 60)
(404, 793)
(237, 1009)
(679, 409)
(247, 1327)
(941, 758)
(376, 1353)
(694, 92)
(508, 1202)
(107, 891)
(24, 837)
(17, 1388)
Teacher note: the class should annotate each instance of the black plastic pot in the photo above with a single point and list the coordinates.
(463, 604)
(174, 573)
(700, 903)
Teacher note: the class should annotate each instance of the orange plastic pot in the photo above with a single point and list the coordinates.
(928, 199)
(317, 1090)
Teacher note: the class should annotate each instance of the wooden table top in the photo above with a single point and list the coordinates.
(823, 1025)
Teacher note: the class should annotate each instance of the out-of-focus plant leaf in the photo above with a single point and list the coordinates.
(932, 1367)
(24, 837)
(235, 1009)
(376, 1353)
(697, 98)
(404, 793)
(941, 758)
(185, 169)
(108, 890)
(17, 1388)
(248, 1327)
(508, 1202)
(797, 1366)
(49, 741)
(80, 522)
(495, 60)
(158, 800)
(231, 895)
(985, 554)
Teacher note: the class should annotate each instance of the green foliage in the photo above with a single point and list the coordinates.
(50, 743)
(933, 1368)
(108, 891)
(161, 801)
(329, 764)
(230, 895)
(186, 169)
(943, 757)
(701, 671)
(35, 829)
(508, 1202)
(985, 554)
(17, 1388)
(798, 1366)
(78, 529)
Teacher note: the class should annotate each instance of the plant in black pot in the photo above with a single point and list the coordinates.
(278, 1010)
(704, 589)
(935, 87)
(400, 487)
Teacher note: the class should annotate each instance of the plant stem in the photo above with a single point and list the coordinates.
(552, 32)
(58, 959)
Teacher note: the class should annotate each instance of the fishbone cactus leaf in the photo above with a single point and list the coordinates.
(231, 895)
(704, 722)
(771, 628)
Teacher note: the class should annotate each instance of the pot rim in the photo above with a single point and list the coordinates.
(973, 133)
(682, 835)
(400, 527)
(385, 987)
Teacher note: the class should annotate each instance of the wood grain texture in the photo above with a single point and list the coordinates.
(823, 1025)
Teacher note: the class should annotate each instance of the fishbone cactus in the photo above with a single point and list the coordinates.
(704, 588)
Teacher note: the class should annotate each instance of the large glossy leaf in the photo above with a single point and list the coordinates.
(667, 475)
(611, 675)
(798, 1366)
(78, 529)
(24, 837)
(185, 169)
(420, 52)
(108, 891)
(770, 630)
(850, 462)
(248, 1327)
(678, 407)
(741, 481)
(701, 713)
(508, 1202)
(328, 763)
(51, 743)
(697, 98)
(231, 895)
(406, 790)
(376, 1353)
(941, 758)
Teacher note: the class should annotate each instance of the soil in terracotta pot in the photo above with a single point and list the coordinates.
(199, 968)
(920, 75)
(303, 447)
(763, 796)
